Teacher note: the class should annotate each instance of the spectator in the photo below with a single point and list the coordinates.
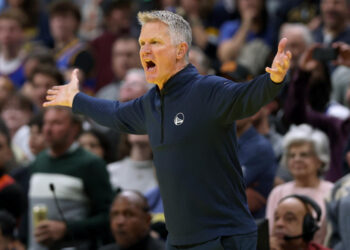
(37, 141)
(306, 154)
(295, 224)
(97, 143)
(297, 110)
(36, 25)
(136, 170)
(130, 223)
(42, 78)
(82, 187)
(299, 39)
(258, 163)
(12, 54)
(247, 40)
(335, 27)
(11, 197)
(337, 214)
(125, 56)
(16, 114)
(70, 52)
(117, 23)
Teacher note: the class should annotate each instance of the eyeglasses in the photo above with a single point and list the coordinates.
(300, 155)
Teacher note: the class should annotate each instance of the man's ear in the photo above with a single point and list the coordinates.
(182, 49)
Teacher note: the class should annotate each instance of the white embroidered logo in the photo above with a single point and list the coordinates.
(179, 119)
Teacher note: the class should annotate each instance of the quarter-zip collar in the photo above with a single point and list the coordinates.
(180, 79)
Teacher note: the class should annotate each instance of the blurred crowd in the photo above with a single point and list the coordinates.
(66, 181)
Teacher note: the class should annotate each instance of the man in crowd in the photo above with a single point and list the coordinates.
(77, 179)
(130, 223)
(295, 224)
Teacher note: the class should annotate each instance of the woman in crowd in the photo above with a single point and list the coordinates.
(306, 154)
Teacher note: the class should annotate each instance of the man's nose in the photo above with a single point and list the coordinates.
(145, 49)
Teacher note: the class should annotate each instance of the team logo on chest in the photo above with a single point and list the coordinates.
(179, 119)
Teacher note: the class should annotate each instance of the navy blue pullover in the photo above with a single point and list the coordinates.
(190, 123)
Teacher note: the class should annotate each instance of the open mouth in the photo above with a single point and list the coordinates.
(150, 65)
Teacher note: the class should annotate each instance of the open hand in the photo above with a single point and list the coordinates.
(63, 95)
(281, 63)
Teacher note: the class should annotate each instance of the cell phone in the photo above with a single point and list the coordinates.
(325, 54)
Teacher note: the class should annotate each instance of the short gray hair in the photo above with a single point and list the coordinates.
(304, 133)
(179, 28)
(302, 28)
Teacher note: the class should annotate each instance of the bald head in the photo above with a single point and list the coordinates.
(129, 218)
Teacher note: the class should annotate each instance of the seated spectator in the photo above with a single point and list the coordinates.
(41, 79)
(249, 39)
(130, 223)
(125, 56)
(295, 223)
(334, 15)
(11, 197)
(197, 57)
(136, 170)
(7, 89)
(257, 159)
(12, 54)
(118, 23)
(70, 52)
(306, 154)
(338, 206)
(16, 114)
(73, 179)
(97, 143)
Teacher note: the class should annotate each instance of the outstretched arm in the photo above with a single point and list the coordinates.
(125, 117)
(63, 95)
(281, 62)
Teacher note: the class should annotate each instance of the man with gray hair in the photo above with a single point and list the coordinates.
(299, 39)
(190, 120)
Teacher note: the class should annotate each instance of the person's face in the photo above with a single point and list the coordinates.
(41, 83)
(5, 151)
(302, 160)
(37, 141)
(334, 13)
(11, 33)
(288, 221)
(124, 57)
(157, 52)
(15, 117)
(129, 223)
(57, 128)
(91, 144)
(63, 27)
(134, 86)
(296, 45)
